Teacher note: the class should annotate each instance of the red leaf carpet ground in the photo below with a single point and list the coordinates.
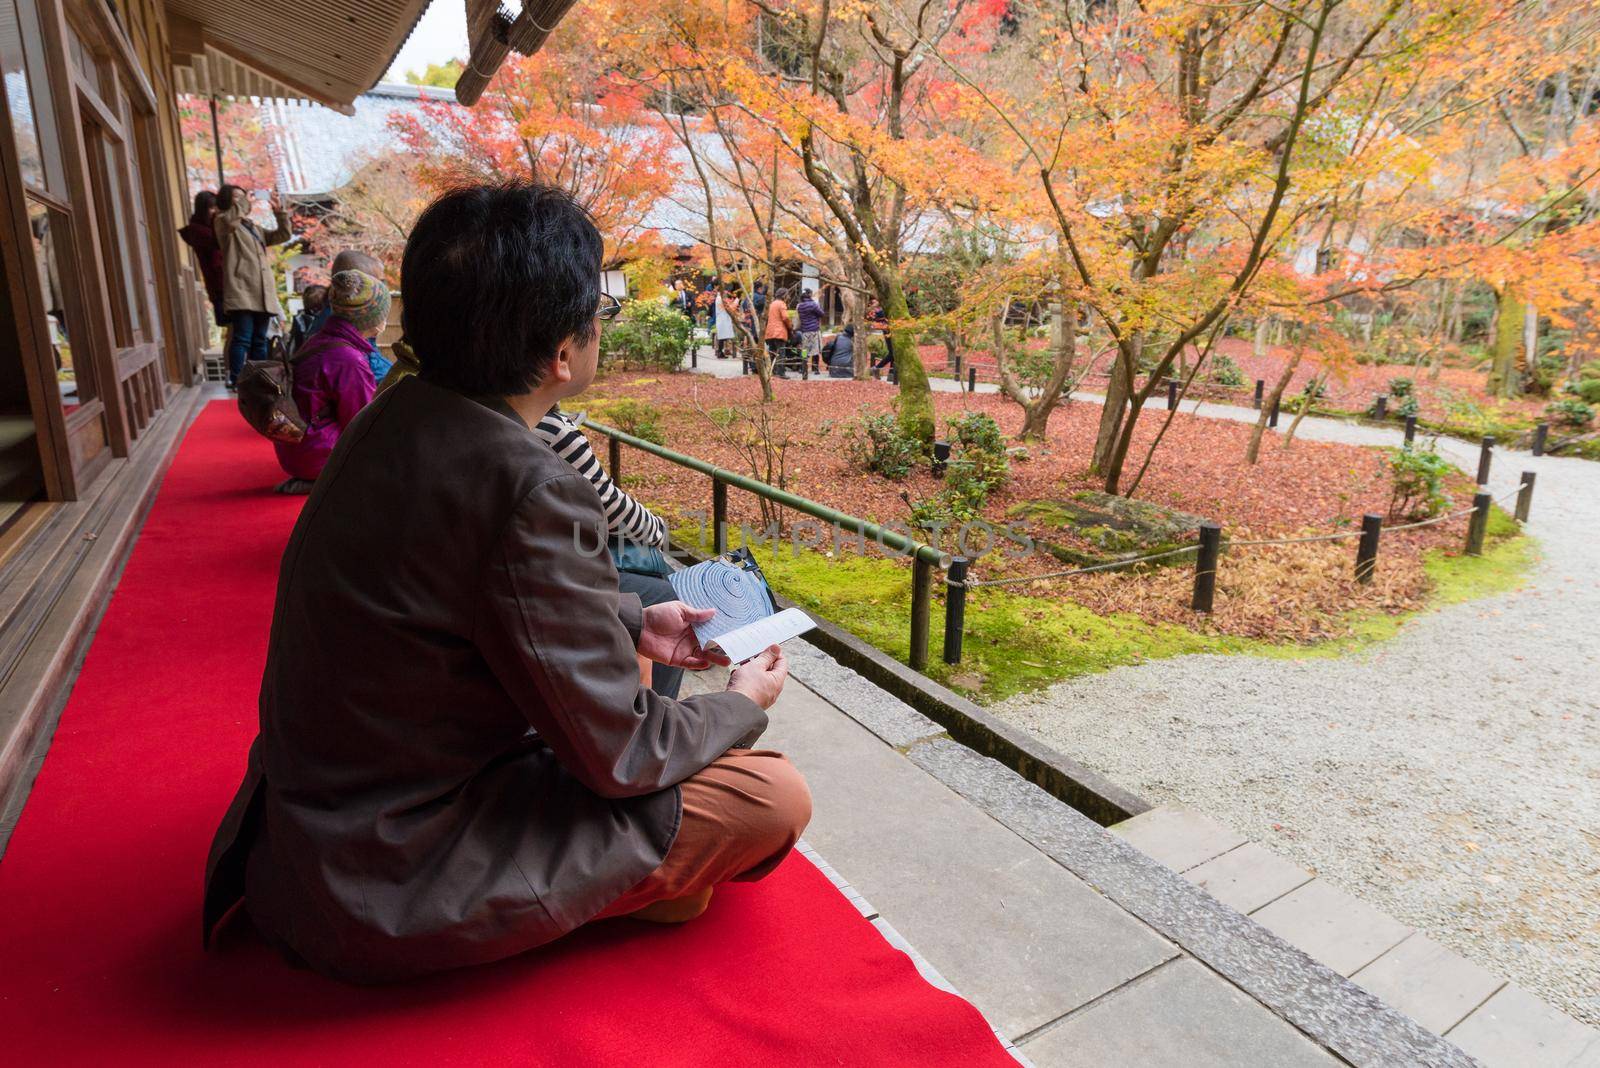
(100, 959)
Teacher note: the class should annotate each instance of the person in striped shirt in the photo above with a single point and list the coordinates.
(626, 519)
(637, 534)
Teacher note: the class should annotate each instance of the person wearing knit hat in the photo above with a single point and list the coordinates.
(353, 259)
(360, 300)
(332, 376)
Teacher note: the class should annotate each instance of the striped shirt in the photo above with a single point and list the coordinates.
(624, 515)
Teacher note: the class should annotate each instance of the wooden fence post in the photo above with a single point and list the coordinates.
(1478, 525)
(1525, 497)
(1485, 458)
(1205, 567)
(955, 609)
(719, 516)
(1367, 550)
(921, 597)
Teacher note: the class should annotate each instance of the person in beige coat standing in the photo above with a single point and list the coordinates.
(249, 289)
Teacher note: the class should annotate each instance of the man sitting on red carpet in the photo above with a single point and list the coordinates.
(455, 760)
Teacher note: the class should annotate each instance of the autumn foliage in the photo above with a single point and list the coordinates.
(557, 117)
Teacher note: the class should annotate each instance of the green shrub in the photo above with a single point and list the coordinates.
(1569, 412)
(1224, 372)
(639, 418)
(877, 443)
(975, 439)
(1401, 387)
(1587, 385)
(877, 348)
(1409, 406)
(978, 466)
(647, 335)
(1418, 483)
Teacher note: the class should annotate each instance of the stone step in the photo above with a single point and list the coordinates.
(1500, 1024)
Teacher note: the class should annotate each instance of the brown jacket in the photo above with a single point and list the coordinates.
(455, 761)
(247, 279)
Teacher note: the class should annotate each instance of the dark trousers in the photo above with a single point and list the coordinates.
(664, 680)
(247, 340)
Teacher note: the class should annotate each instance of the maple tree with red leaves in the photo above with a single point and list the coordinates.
(558, 117)
(246, 160)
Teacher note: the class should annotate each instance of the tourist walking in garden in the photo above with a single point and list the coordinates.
(250, 287)
(809, 315)
(724, 324)
(491, 696)
(200, 234)
(332, 378)
(778, 329)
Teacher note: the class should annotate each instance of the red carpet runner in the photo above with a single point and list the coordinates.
(100, 959)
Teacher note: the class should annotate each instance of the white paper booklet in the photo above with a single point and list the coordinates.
(747, 620)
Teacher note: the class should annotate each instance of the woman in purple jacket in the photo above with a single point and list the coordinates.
(332, 378)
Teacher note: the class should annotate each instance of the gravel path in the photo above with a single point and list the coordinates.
(1451, 776)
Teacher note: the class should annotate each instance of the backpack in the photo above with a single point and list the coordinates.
(265, 397)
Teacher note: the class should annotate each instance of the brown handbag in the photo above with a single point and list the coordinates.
(266, 398)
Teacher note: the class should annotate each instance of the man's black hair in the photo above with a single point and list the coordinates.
(495, 278)
(227, 194)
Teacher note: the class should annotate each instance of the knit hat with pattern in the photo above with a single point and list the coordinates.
(359, 299)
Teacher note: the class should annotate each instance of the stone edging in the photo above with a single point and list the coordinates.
(1057, 774)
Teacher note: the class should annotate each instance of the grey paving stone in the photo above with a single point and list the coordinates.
(1342, 932)
(1178, 837)
(1020, 937)
(1428, 983)
(1336, 1012)
(1514, 1029)
(1248, 877)
(881, 713)
(1182, 1015)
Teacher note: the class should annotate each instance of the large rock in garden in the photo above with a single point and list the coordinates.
(1098, 528)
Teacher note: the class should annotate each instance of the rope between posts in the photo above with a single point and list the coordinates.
(1107, 566)
(1337, 536)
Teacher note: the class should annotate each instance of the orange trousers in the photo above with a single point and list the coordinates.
(741, 816)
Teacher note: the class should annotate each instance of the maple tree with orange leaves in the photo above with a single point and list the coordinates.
(559, 117)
